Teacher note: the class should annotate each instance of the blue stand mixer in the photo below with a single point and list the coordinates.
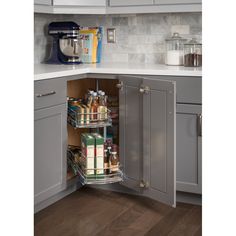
(66, 48)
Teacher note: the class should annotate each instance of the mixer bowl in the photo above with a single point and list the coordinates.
(70, 47)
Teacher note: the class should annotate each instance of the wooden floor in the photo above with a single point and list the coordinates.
(96, 212)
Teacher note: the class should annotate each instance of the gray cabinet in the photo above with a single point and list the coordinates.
(165, 2)
(188, 149)
(70, 6)
(147, 140)
(43, 2)
(80, 2)
(120, 3)
(159, 125)
(50, 142)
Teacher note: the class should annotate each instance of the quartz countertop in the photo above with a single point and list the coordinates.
(49, 71)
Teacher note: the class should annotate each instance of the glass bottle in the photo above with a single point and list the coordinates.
(114, 162)
(94, 107)
(106, 162)
(102, 107)
(193, 53)
(175, 50)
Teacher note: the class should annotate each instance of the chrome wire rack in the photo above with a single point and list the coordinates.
(89, 119)
(84, 178)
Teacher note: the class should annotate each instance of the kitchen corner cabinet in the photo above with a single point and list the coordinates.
(189, 148)
(147, 141)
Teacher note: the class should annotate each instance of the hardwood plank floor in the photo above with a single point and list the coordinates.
(91, 212)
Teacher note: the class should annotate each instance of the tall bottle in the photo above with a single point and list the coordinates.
(94, 107)
(102, 106)
(106, 162)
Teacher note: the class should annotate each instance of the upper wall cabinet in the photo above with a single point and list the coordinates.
(130, 2)
(70, 6)
(115, 6)
(83, 3)
(153, 6)
(43, 2)
(165, 2)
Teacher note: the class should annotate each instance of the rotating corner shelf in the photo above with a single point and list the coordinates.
(83, 120)
(84, 178)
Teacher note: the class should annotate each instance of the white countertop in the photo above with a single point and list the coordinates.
(47, 71)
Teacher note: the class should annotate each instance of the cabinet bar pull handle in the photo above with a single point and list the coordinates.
(45, 94)
(199, 125)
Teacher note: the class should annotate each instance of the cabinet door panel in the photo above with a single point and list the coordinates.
(131, 131)
(49, 152)
(80, 2)
(188, 149)
(177, 2)
(159, 141)
(120, 3)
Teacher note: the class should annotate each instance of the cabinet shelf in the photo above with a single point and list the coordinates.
(74, 120)
(93, 179)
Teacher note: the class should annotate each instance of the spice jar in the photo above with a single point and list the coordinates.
(114, 162)
(193, 53)
(175, 50)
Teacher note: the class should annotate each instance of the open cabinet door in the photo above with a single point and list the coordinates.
(159, 140)
(130, 132)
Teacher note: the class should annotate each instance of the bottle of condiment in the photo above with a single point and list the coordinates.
(193, 53)
(114, 162)
(94, 107)
(175, 50)
(106, 162)
(102, 106)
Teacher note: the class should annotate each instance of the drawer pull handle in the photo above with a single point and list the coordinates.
(45, 94)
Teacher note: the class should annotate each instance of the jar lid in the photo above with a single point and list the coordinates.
(176, 36)
(193, 41)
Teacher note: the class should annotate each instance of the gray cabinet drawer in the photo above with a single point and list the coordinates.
(49, 93)
(188, 89)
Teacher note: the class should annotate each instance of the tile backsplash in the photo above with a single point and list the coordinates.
(140, 38)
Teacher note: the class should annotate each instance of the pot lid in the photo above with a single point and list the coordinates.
(176, 36)
(193, 41)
